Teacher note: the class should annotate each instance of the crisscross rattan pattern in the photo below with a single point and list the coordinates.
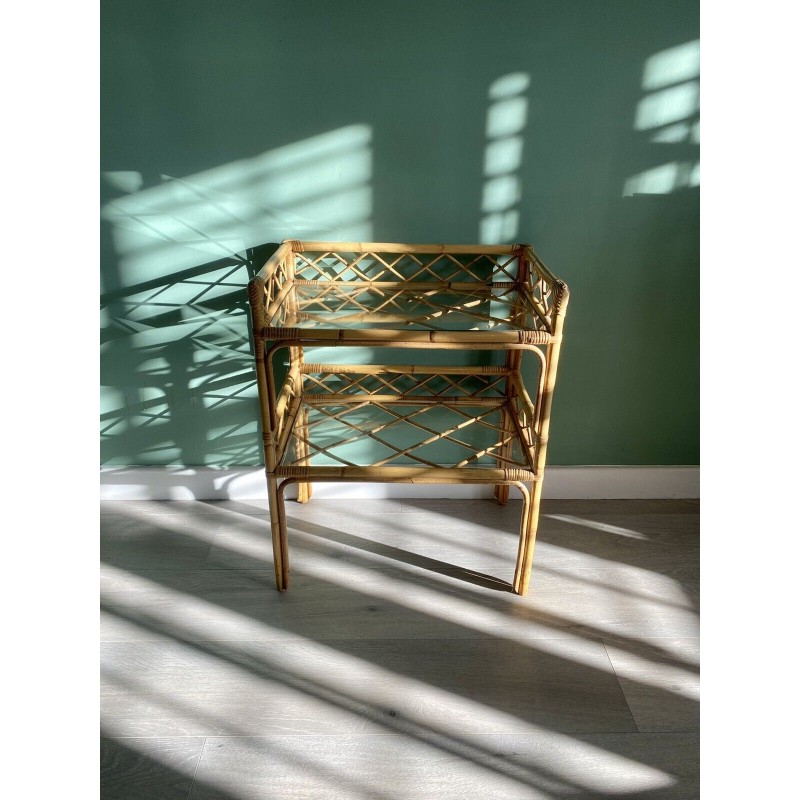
(329, 379)
(376, 266)
(408, 434)
(324, 290)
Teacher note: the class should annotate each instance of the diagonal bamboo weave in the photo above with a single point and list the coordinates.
(406, 423)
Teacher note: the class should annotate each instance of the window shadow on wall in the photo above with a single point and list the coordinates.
(178, 384)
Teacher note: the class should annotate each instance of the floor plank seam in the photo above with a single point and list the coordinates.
(621, 689)
(211, 546)
(196, 768)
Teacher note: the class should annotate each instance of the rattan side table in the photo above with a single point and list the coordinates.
(406, 423)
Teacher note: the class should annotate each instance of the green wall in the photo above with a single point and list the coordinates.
(227, 126)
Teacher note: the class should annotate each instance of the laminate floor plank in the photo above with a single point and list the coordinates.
(600, 506)
(348, 600)
(485, 542)
(150, 542)
(399, 664)
(421, 764)
(143, 769)
(662, 695)
(647, 539)
(490, 685)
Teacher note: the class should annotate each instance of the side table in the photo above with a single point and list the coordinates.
(406, 423)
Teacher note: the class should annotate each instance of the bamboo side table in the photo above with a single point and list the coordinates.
(406, 423)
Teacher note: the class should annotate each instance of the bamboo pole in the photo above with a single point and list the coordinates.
(272, 263)
(513, 359)
(421, 474)
(473, 287)
(296, 357)
(539, 266)
(406, 369)
(537, 310)
(286, 428)
(280, 341)
(280, 549)
(527, 530)
(278, 302)
(396, 247)
(521, 393)
(545, 403)
(291, 388)
(402, 399)
(304, 489)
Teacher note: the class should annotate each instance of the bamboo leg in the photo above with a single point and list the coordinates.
(284, 538)
(544, 402)
(303, 489)
(501, 493)
(296, 358)
(513, 359)
(280, 548)
(527, 538)
(501, 489)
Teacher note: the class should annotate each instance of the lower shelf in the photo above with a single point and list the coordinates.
(386, 438)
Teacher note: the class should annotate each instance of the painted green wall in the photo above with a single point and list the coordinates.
(229, 125)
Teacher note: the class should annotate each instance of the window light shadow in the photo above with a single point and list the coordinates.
(177, 382)
(668, 116)
(317, 188)
(573, 776)
(168, 542)
(506, 121)
(160, 604)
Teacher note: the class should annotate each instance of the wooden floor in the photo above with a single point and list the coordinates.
(399, 664)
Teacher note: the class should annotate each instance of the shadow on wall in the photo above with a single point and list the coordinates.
(580, 134)
(177, 369)
(506, 119)
(668, 119)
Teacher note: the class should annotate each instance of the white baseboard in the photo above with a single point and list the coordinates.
(249, 483)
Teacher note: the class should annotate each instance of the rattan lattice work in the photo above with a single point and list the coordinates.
(407, 423)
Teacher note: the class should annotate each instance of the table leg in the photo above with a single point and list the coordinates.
(304, 454)
(501, 489)
(280, 549)
(527, 536)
